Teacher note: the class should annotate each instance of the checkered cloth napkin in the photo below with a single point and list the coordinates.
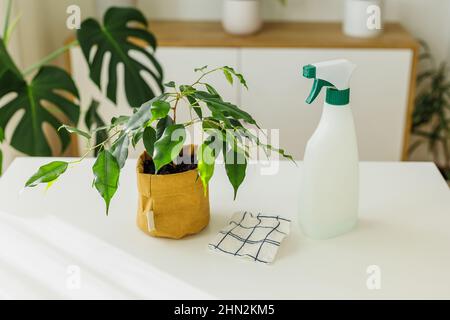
(252, 237)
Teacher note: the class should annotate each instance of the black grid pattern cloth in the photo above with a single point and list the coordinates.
(257, 238)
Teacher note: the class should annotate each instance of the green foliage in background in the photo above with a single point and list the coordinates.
(124, 30)
(225, 129)
(431, 117)
(48, 95)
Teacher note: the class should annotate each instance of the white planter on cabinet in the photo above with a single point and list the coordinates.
(103, 5)
(363, 18)
(242, 17)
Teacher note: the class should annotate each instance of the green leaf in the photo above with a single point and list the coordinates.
(142, 115)
(282, 152)
(162, 125)
(160, 109)
(119, 120)
(51, 85)
(149, 138)
(106, 171)
(170, 84)
(201, 69)
(235, 166)
(75, 131)
(206, 163)
(187, 90)
(222, 108)
(169, 146)
(117, 36)
(93, 120)
(212, 90)
(2, 135)
(239, 76)
(120, 149)
(196, 106)
(47, 173)
(137, 137)
(228, 76)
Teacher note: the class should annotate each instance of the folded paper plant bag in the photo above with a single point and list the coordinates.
(171, 206)
(254, 237)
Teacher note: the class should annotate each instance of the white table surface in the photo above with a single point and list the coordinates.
(404, 229)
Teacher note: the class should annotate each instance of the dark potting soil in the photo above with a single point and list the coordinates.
(171, 168)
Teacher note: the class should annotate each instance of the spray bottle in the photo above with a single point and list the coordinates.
(330, 182)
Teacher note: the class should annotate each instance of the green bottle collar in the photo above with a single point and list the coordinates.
(337, 97)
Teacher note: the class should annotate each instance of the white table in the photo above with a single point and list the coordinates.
(61, 244)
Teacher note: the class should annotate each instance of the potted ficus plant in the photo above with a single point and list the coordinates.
(173, 177)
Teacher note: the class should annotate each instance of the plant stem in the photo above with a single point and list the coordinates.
(50, 57)
(90, 149)
(204, 75)
(7, 17)
(175, 110)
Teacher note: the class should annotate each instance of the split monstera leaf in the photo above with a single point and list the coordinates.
(50, 97)
(226, 129)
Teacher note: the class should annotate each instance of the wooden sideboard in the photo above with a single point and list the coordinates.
(383, 87)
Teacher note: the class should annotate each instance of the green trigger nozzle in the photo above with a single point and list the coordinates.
(309, 71)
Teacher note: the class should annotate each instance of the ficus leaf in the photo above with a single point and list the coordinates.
(223, 109)
(75, 131)
(187, 90)
(162, 125)
(106, 171)
(149, 139)
(47, 173)
(169, 146)
(142, 115)
(137, 137)
(201, 69)
(212, 90)
(196, 106)
(170, 84)
(94, 120)
(206, 163)
(228, 76)
(239, 76)
(160, 109)
(235, 166)
(120, 149)
(119, 120)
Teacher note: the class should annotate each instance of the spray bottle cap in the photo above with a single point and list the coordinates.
(335, 76)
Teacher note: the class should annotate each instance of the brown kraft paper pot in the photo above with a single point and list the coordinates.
(171, 206)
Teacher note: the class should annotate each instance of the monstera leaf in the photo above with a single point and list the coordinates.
(44, 99)
(124, 30)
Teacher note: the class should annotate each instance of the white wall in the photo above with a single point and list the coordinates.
(428, 19)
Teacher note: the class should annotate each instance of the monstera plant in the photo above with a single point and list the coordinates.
(48, 95)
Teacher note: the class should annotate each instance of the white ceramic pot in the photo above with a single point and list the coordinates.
(103, 5)
(242, 17)
(363, 18)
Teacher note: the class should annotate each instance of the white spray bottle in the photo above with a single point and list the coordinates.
(330, 183)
